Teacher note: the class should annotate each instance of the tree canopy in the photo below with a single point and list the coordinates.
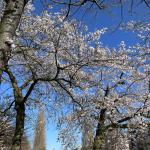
(50, 61)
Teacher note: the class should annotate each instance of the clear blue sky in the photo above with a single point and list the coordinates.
(95, 20)
(51, 137)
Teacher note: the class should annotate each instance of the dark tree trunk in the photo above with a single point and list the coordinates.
(20, 118)
(99, 138)
(20, 109)
(100, 132)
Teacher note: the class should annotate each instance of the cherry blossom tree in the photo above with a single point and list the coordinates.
(47, 57)
(117, 96)
(58, 64)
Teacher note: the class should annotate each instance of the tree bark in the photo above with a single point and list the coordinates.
(19, 129)
(20, 111)
(99, 138)
(8, 25)
(100, 132)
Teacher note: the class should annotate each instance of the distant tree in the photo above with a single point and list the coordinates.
(39, 137)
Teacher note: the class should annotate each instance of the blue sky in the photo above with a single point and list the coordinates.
(51, 137)
(96, 20)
